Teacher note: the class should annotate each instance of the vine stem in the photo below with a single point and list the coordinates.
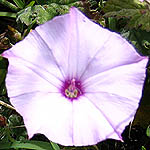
(7, 105)
(9, 5)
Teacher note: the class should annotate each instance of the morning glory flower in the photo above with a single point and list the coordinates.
(75, 81)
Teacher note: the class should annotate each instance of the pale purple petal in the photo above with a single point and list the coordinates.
(24, 77)
(125, 81)
(90, 125)
(69, 37)
(117, 111)
(46, 113)
(115, 52)
(32, 67)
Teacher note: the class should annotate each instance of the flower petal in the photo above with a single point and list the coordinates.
(117, 112)
(114, 53)
(31, 65)
(69, 37)
(95, 118)
(46, 113)
(126, 81)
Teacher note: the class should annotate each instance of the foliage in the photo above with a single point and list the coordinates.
(134, 18)
(45, 12)
(148, 131)
(137, 13)
(28, 145)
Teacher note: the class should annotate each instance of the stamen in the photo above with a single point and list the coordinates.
(72, 90)
(73, 94)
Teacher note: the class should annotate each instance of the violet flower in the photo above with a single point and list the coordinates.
(74, 81)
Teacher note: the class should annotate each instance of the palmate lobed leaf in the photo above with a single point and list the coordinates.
(116, 5)
(137, 12)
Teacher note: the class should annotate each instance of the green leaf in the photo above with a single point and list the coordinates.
(39, 13)
(148, 131)
(25, 16)
(112, 23)
(3, 69)
(3, 63)
(8, 14)
(2, 75)
(19, 3)
(43, 13)
(14, 120)
(143, 148)
(36, 145)
(30, 4)
(117, 5)
(136, 12)
(55, 146)
(62, 2)
(140, 39)
(9, 5)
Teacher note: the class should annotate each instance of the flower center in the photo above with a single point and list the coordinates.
(72, 89)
